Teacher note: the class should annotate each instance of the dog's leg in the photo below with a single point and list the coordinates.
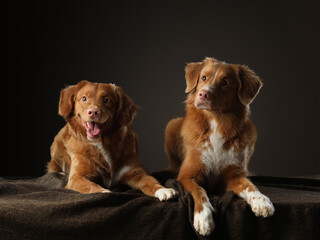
(190, 175)
(81, 184)
(237, 182)
(53, 166)
(203, 220)
(138, 178)
(77, 180)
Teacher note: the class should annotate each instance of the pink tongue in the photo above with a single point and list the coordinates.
(93, 129)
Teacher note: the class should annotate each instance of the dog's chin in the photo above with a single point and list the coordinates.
(203, 105)
(95, 138)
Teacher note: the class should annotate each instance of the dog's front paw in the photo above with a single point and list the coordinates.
(203, 221)
(260, 204)
(165, 193)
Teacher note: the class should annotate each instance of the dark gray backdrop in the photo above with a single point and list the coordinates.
(143, 46)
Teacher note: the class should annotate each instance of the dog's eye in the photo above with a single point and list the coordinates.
(106, 100)
(224, 82)
(204, 78)
(84, 98)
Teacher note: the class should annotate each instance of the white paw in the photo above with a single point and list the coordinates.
(165, 193)
(203, 221)
(260, 204)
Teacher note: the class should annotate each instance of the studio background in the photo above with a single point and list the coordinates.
(143, 46)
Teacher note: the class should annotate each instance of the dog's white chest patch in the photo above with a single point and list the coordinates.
(106, 180)
(214, 157)
(104, 153)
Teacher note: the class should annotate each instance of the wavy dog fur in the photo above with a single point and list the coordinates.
(211, 146)
(97, 147)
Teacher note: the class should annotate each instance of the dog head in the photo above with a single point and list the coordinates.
(96, 107)
(217, 86)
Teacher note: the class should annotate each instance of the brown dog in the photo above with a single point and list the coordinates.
(213, 143)
(98, 145)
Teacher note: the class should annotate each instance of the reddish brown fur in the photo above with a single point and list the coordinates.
(80, 158)
(228, 107)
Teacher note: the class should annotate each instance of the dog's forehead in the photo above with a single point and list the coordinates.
(210, 68)
(227, 70)
(87, 89)
(106, 88)
(97, 89)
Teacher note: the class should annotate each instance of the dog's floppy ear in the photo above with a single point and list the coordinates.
(192, 75)
(250, 85)
(67, 99)
(126, 110)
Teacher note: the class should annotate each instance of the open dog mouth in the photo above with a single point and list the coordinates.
(93, 129)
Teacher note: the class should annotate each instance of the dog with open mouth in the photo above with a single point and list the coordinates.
(211, 146)
(97, 147)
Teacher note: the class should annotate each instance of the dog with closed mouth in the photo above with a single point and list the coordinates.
(97, 147)
(211, 146)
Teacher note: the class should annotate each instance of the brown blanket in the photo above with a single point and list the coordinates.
(42, 209)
